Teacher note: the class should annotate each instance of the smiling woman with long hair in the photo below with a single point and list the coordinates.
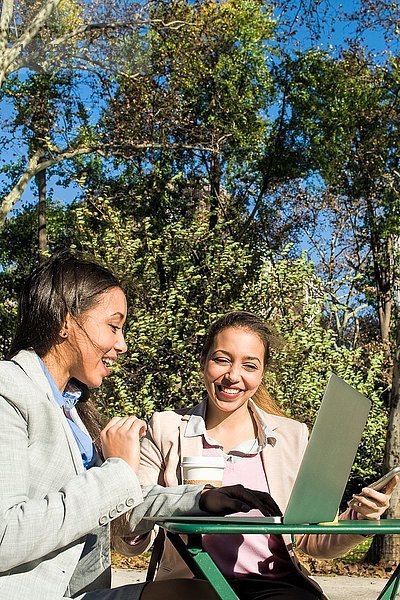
(64, 474)
(261, 449)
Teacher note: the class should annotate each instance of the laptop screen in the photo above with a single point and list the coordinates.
(329, 455)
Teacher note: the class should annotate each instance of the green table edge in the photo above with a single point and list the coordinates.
(383, 526)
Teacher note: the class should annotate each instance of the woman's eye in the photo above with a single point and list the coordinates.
(250, 366)
(115, 328)
(221, 361)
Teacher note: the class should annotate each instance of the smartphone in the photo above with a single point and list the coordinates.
(380, 483)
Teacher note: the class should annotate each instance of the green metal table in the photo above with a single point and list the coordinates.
(202, 565)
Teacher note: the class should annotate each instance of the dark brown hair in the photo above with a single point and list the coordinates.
(249, 321)
(65, 284)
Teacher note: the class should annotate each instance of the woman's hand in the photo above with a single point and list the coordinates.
(120, 438)
(370, 504)
(236, 498)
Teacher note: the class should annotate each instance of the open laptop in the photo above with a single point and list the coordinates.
(326, 463)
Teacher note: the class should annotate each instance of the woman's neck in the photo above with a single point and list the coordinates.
(56, 369)
(230, 428)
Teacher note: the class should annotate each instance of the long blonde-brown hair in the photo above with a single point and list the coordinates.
(242, 319)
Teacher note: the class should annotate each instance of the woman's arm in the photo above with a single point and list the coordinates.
(369, 504)
(32, 527)
(151, 472)
(328, 545)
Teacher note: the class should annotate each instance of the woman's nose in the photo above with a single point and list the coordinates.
(233, 374)
(120, 344)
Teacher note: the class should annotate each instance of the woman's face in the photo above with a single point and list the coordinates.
(233, 368)
(96, 341)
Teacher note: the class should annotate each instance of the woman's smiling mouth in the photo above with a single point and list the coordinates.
(108, 361)
(231, 392)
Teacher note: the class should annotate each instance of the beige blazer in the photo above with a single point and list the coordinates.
(161, 453)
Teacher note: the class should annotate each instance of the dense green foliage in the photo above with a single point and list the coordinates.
(201, 163)
(180, 279)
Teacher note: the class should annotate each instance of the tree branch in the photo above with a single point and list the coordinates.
(5, 19)
(36, 164)
(10, 55)
(7, 10)
(118, 26)
(9, 62)
(12, 197)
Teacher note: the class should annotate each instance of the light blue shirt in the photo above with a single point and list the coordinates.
(67, 401)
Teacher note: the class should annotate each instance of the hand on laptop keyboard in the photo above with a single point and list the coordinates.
(237, 498)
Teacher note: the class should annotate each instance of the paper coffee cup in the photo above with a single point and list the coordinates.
(203, 469)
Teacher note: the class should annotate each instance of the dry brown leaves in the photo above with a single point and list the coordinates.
(313, 565)
(339, 567)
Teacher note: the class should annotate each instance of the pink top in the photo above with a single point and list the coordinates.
(239, 555)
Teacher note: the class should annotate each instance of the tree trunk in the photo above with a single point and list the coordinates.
(215, 189)
(10, 55)
(42, 231)
(386, 548)
(391, 543)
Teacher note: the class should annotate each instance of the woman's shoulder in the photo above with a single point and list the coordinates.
(284, 422)
(20, 379)
(11, 374)
(173, 416)
(165, 425)
(15, 386)
(21, 364)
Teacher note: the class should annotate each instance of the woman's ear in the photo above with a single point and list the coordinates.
(202, 365)
(66, 327)
(201, 377)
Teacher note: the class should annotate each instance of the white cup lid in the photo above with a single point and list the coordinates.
(204, 461)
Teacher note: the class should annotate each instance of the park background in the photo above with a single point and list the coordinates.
(216, 155)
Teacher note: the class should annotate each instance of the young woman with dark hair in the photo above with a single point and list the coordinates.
(262, 450)
(64, 476)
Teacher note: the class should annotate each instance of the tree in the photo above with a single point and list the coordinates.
(309, 351)
(193, 174)
(18, 256)
(28, 34)
(202, 98)
(352, 136)
(57, 34)
(173, 296)
(377, 15)
(51, 36)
